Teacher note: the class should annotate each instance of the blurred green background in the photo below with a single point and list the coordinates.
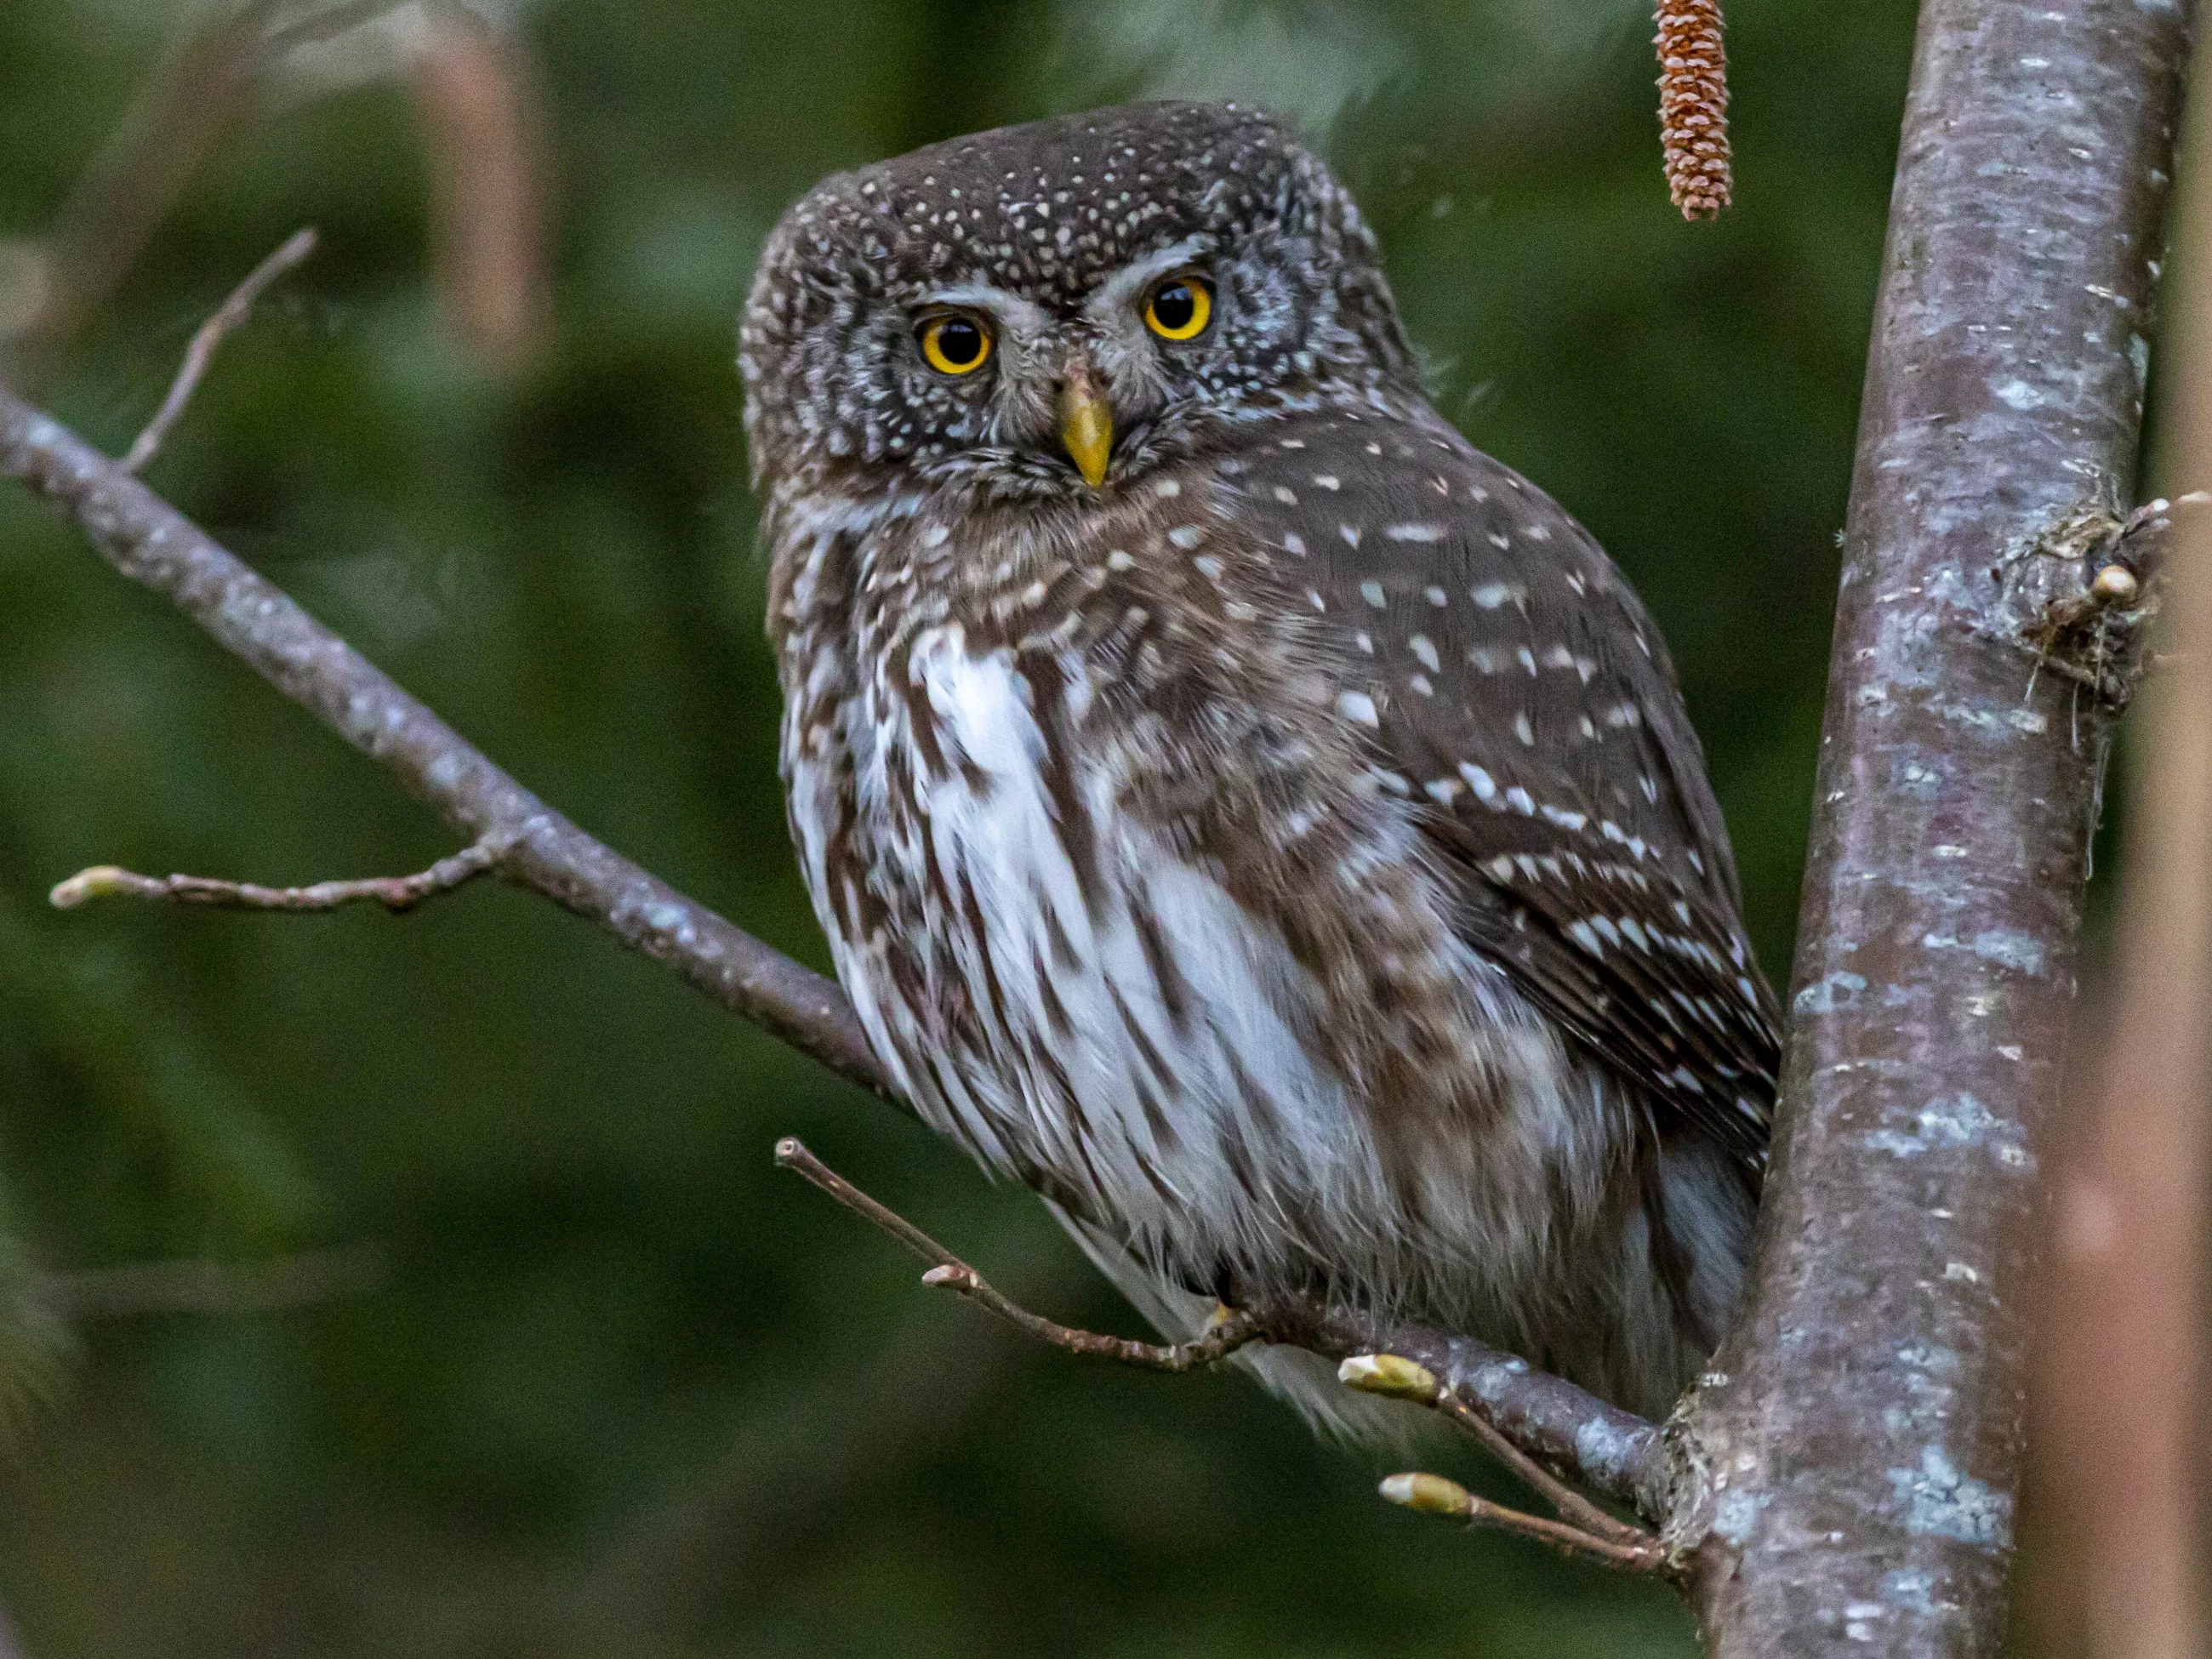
(616, 1387)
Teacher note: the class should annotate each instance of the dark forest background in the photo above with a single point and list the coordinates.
(590, 1377)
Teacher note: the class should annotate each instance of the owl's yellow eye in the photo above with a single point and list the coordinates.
(956, 344)
(1180, 308)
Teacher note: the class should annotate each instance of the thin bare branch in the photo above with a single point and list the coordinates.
(174, 123)
(1432, 1494)
(394, 893)
(232, 313)
(1387, 1375)
(140, 1288)
(1568, 1429)
(948, 1272)
(1396, 1377)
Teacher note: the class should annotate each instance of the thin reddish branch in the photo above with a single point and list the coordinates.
(232, 313)
(2131, 1275)
(1432, 1494)
(1395, 1378)
(1693, 105)
(1583, 1529)
(948, 1272)
(394, 893)
(476, 103)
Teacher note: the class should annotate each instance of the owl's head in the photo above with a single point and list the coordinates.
(1051, 309)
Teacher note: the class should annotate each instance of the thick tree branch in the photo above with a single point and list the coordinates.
(1567, 1429)
(1847, 1471)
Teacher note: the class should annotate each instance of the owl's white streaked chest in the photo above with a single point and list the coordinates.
(1059, 885)
(1056, 986)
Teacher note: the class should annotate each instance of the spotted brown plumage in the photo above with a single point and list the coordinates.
(1290, 855)
(1521, 693)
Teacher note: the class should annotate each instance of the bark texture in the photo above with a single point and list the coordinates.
(1846, 1473)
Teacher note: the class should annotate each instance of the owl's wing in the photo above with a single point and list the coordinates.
(1521, 693)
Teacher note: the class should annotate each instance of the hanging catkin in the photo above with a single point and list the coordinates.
(1693, 105)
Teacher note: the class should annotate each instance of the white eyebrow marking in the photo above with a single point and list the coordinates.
(1023, 320)
(1117, 295)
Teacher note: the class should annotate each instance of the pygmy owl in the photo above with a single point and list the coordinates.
(1239, 809)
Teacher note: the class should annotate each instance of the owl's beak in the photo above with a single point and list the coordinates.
(1086, 423)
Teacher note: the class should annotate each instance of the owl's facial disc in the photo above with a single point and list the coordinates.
(1204, 269)
(1062, 387)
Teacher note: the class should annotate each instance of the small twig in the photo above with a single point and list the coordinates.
(394, 893)
(2115, 576)
(1693, 105)
(1432, 1494)
(212, 1287)
(232, 313)
(1398, 1378)
(948, 1272)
